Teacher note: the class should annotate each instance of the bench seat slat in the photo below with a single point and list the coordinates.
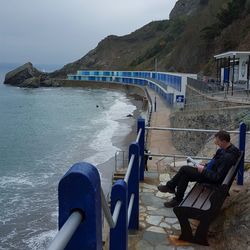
(192, 196)
(203, 199)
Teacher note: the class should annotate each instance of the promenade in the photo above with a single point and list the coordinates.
(159, 227)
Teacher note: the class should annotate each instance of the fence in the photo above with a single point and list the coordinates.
(214, 89)
(81, 200)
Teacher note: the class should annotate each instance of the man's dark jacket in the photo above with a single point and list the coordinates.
(223, 160)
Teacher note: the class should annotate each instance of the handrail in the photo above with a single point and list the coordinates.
(131, 161)
(138, 135)
(116, 212)
(179, 156)
(111, 219)
(64, 235)
(190, 130)
(106, 210)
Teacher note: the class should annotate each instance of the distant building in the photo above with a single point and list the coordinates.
(233, 67)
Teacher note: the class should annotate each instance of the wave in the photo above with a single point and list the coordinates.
(41, 241)
(102, 143)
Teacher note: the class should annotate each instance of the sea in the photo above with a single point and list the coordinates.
(43, 132)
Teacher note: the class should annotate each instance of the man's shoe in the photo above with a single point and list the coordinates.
(166, 189)
(172, 203)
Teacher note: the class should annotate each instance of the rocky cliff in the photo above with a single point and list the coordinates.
(197, 30)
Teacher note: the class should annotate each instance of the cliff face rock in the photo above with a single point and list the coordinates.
(29, 77)
(186, 8)
(23, 75)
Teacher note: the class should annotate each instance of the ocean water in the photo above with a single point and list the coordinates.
(43, 132)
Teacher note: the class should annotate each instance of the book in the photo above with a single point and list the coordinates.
(195, 163)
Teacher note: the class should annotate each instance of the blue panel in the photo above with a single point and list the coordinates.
(226, 75)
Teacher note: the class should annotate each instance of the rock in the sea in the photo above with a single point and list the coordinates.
(33, 82)
(24, 76)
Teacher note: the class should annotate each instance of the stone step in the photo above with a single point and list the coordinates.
(118, 175)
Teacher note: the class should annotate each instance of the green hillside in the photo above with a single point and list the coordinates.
(197, 30)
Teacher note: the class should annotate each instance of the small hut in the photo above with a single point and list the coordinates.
(233, 68)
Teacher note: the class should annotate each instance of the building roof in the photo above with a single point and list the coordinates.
(237, 54)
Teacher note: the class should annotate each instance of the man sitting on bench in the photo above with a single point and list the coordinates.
(213, 173)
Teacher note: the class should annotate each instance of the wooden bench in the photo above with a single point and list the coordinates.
(203, 203)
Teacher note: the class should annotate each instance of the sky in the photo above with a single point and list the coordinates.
(62, 31)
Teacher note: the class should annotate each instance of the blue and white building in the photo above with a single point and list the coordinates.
(171, 86)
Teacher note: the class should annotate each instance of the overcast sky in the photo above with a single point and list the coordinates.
(62, 31)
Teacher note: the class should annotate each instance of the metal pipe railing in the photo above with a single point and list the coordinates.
(64, 235)
(106, 210)
(138, 135)
(190, 130)
(111, 219)
(131, 161)
(116, 212)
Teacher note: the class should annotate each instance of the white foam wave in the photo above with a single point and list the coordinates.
(24, 180)
(120, 109)
(15, 180)
(41, 241)
(102, 143)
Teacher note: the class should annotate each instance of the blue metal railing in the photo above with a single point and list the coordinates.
(158, 81)
(81, 200)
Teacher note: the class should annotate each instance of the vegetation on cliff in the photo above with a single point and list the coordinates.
(197, 30)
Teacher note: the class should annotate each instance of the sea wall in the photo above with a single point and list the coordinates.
(128, 88)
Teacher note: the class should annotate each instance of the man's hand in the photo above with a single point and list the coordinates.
(200, 167)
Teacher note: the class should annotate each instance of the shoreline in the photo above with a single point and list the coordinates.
(107, 168)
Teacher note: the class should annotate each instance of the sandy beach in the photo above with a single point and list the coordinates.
(122, 142)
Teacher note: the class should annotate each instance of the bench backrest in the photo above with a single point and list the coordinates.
(232, 172)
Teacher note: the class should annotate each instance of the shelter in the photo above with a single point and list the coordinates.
(233, 67)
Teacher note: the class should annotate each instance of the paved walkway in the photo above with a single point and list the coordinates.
(159, 142)
(159, 227)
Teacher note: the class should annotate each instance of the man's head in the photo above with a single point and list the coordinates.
(222, 139)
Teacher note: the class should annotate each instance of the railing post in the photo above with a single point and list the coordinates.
(119, 234)
(79, 189)
(133, 186)
(141, 125)
(242, 145)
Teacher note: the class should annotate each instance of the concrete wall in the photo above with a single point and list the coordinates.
(192, 142)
